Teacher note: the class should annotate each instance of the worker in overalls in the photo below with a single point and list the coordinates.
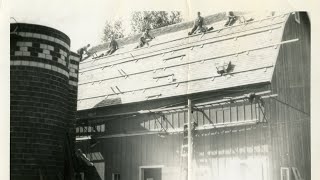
(231, 18)
(145, 38)
(199, 25)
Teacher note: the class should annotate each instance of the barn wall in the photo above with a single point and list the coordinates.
(290, 127)
(216, 154)
(215, 151)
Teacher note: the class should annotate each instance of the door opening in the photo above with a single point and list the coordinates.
(151, 173)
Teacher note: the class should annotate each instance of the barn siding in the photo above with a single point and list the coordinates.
(215, 151)
(290, 128)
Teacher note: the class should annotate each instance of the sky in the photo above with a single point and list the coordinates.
(82, 20)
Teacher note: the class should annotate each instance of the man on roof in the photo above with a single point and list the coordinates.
(113, 46)
(199, 25)
(82, 50)
(145, 38)
(231, 18)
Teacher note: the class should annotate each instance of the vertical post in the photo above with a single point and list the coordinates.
(189, 141)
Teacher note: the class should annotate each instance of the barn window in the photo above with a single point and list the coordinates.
(297, 17)
(115, 176)
(284, 172)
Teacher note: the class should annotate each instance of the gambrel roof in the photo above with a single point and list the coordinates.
(176, 64)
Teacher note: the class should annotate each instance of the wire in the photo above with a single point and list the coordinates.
(14, 19)
(264, 115)
(291, 106)
(16, 28)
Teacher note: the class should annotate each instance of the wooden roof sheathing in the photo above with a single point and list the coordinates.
(187, 64)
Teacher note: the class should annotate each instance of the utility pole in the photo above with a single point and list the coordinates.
(189, 141)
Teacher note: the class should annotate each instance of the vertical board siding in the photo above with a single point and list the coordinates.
(214, 152)
(290, 126)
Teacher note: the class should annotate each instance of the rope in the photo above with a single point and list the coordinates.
(264, 115)
(15, 30)
(14, 19)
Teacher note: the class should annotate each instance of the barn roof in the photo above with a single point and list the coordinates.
(176, 64)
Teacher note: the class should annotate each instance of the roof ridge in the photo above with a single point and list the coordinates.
(161, 31)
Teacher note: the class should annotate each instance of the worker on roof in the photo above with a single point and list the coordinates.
(231, 18)
(82, 50)
(199, 25)
(113, 46)
(145, 38)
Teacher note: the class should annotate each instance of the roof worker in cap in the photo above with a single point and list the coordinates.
(199, 25)
(82, 50)
(145, 38)
(113, 46)
(231, 18)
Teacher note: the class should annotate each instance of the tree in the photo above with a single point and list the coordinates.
(141, 20)
(114, 29)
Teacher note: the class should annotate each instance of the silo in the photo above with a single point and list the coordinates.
(41, 109)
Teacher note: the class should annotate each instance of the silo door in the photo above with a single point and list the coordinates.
(151, 173)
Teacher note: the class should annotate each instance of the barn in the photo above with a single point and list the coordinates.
(233, 103)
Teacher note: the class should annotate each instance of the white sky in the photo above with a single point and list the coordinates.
(82, 20)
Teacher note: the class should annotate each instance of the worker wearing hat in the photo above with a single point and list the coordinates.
(145, 38)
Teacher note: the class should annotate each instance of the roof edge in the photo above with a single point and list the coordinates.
(164, 30)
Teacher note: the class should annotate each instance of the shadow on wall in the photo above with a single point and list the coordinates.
(91, 173)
